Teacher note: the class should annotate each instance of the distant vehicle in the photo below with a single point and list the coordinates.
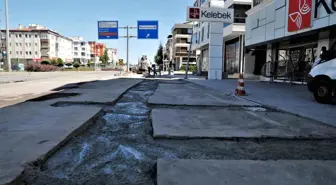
(322, 77)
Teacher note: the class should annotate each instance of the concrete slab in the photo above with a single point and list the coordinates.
(101, 92)
(29, 130)
(241, 172)
(190, 94)
(33, 130)
(227, 123)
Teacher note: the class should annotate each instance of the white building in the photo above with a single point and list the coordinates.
(283, 30)
(112, 54)
(81, 50)
(36, 43)
(220, 47)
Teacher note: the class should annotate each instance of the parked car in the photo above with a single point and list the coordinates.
(322, 77)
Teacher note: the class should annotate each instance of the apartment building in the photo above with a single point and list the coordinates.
(112, 54)
(168, 52)
(36, 43)
(81, 50)
(180, 42)
(226, 41)
(283, 30)
(97, 49)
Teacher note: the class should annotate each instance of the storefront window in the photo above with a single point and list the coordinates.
(232, 58)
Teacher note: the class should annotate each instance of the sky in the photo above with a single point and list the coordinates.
(79, 18)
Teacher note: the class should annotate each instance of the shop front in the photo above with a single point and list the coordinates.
(292, 37)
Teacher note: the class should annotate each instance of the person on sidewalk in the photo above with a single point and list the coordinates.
(149, 70)
(154, 70)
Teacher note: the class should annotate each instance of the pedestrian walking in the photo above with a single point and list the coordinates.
(154, 70)
(149, 70)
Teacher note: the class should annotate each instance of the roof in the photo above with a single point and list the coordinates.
(184, 25)
(36, 30)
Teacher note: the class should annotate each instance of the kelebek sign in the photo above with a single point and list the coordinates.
(299, 14)
(210, 14)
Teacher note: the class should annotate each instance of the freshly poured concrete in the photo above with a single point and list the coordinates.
(190, 94)
(241, 172)
(232, 123)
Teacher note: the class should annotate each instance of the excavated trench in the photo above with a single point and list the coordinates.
(119, 148)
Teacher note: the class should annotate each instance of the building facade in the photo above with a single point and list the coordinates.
(97, 49)
(289, 30)
(112, 54)
(220, 47)
(36, 43)
(81, 50)
(180, 42)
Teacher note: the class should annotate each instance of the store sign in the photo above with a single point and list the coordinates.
(299, 14)
(210, 14)
(328, 5)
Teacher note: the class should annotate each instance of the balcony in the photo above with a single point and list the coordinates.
(183, 36)
(182, 45)
(44, 40)
(229, 3)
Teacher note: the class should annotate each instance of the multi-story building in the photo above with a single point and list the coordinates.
(180, 43)
(112, 54)
(290, 30)
(81, 50)
(225, 40)
(168, 52)
(36, 43)
(97, 49)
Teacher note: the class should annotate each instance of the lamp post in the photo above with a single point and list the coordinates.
(7, 39)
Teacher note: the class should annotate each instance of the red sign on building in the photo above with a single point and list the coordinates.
(194, 13)
(299, 14)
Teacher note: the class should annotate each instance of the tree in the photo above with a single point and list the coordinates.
(60, 62)
(104, 58)
(45, 62)
(159, 55)
(53, 62)
(76, 65)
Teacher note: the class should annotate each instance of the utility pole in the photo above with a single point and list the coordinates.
(189, 52)
(128, 36)
(7, 39)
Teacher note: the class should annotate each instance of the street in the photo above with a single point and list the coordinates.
(130, 130)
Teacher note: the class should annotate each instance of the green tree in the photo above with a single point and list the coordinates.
(45, 62)
(105, 57)
(60, 62)
(159, 55)
(76, 65)
(53, 62)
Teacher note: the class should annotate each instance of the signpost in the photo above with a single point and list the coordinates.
(148, 29)
(108, 30)
(202, 14)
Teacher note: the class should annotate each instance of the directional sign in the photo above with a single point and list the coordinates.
(148, 29)
(108, 30)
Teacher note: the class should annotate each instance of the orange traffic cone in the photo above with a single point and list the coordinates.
(240, 91)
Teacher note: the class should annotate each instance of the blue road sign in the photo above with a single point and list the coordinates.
(108, 30)
(148, 29)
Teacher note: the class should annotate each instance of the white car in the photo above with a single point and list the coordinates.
(322, 77)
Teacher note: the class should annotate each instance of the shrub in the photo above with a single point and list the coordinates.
(192, 68)
(45, 62)
(53, 62)
(40, 68)
(76, 65)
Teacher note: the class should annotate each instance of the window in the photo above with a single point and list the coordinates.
(76, 48)
(35, 35)
(76, 54)
(20, 44)
(202, 39)
(20, 35)
(29, 36)
(29, 44)
(10, 52)
(10, 35)
(208, 35)
(17, 53)
(16, 35)
(10, 44)
(20, 52)
(36, 44)
(30, 52)
(26, 35)
(83, 49)
(26, 52)
(35, 52)
(17, 44)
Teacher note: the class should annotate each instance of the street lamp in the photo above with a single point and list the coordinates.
(7, 39)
